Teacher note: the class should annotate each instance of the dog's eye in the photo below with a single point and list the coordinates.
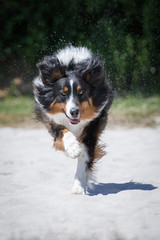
(80, 92)
(64, 94)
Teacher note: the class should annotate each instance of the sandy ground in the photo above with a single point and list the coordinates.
(35, 188)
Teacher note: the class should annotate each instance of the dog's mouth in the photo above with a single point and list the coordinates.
(75, 120)
(72, 120)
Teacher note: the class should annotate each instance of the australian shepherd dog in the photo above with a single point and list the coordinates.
(72, 99)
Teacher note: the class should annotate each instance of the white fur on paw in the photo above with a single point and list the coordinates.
(71, 145)
(78, 189)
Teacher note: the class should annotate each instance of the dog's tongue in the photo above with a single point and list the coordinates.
(74, 121)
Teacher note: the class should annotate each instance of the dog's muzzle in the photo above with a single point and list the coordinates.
(74, 113)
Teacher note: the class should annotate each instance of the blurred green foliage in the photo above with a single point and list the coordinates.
(126, 110)
(125, 33)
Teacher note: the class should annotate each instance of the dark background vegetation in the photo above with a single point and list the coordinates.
(125, 33)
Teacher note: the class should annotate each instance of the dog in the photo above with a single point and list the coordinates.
(72, 98)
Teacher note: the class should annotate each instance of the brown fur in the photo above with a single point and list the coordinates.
(57, 107)
(99, 152)
(87, 109)
(58, 144)
(66, 89)
(78, 88)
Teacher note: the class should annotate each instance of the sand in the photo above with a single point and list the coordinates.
(35, 188)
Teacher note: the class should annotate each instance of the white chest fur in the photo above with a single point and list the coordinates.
(61, 119)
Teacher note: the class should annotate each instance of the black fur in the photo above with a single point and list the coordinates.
(91, 74)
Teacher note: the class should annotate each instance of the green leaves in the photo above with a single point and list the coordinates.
(125, 33)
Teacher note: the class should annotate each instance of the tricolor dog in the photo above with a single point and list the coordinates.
(72, 99)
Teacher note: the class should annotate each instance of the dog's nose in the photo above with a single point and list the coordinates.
(74, 112)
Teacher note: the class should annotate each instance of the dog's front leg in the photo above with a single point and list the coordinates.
(71, 145)
(81, 173)
(68, 143)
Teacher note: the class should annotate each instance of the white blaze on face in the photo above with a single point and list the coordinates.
(71, 102)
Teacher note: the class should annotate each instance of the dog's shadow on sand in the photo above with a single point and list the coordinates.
(113, 188)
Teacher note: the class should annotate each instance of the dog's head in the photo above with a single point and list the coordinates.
(74, 84)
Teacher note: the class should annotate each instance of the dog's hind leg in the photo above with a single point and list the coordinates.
(81, 173)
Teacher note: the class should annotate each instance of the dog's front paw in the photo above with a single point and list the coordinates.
(71, 145)
(78, 189)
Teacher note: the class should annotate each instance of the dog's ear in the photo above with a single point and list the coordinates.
(50, 70)
(95, 74)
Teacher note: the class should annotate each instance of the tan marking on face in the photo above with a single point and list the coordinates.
(79, 90)
(65, 89)
(58, 144)
(57, 107)
(87, 109)
(53, 102)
